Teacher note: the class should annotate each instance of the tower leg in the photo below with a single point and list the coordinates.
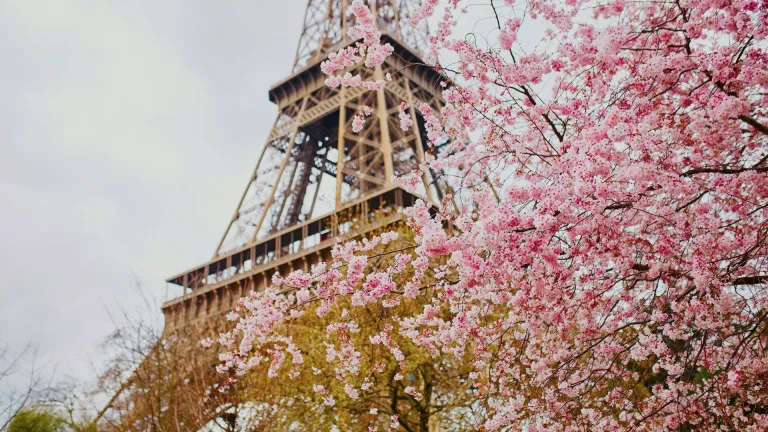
(283, 164)
(386, 144)
(341, 146)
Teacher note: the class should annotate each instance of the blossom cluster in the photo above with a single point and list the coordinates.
(602, 255)
(368, 46)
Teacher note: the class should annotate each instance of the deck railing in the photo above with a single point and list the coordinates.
(318, 232)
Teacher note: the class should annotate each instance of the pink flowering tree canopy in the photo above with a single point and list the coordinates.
(602, 257)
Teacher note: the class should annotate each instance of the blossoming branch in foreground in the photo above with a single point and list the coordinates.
(602, 262)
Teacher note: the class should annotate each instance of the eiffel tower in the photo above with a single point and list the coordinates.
(316, 181)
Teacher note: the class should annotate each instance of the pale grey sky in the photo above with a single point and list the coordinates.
(128, 130)
(127, 133)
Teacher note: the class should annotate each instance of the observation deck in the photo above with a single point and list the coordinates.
(215, 286)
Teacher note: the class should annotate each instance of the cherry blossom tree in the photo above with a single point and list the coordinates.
(601, 258)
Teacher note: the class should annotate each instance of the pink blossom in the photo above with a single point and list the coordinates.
(357, 124)
(405, 118)
(599, 248)
(351, 391)
(508, 35)
(302, 296)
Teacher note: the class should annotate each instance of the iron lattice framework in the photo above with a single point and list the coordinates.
(326, 23)
(316, 181)
(315, 178)
(312, 130)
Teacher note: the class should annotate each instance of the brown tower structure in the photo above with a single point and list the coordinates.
(316, 181)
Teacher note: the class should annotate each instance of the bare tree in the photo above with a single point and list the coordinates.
(161, 381)
(22, 381)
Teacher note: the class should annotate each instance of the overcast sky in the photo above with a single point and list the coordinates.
(128, 130)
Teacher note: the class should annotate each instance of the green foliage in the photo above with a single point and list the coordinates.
(446, 400)
(36, 420)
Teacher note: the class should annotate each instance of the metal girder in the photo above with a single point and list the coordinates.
(326, 23)
(316, 121)
(274, 227)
